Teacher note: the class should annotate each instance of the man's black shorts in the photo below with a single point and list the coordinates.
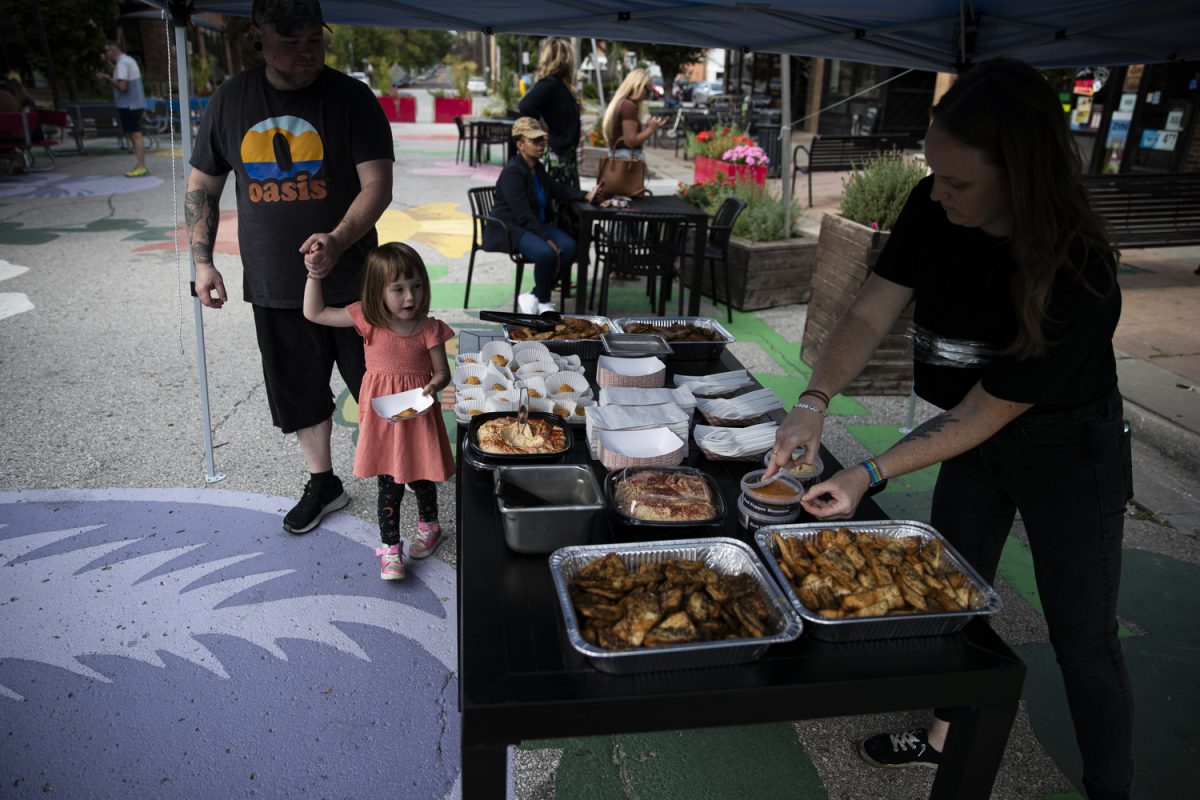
(131, 119)
(298, 358)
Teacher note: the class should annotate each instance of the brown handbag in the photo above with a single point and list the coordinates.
(622, 176)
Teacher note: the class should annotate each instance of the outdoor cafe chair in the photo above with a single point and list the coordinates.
(637, 245)
(483, 200)
(716, 249)
(464, 140)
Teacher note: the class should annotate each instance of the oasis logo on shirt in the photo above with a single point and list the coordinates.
(280, 155)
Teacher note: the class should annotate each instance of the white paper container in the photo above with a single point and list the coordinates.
(723, 555)
(512, 395)
(646, 373)
(536, 368)
(465, 409)
(495, 381)
(536, 386)
(467, 358)
(578, 383)
(499, 403)
(523, 351)
(497, 349)
(657, 447)
(464, 373)
(391, 404)
(464, 393)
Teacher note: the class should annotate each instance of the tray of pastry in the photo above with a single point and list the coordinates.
(690, 338)
(875, 580)
(574, 334)
(650, 606)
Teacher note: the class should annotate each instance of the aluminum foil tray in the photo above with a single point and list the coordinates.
(686, 351)
(724, 555)
(588, 349)
(934, 623)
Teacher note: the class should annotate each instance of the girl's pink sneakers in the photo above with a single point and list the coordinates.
(391, 562)
(429, 536)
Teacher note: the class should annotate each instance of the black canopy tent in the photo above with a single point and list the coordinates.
(936, 35)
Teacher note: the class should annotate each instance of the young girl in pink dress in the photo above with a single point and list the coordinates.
(405, 349)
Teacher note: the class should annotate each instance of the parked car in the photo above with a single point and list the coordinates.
(703, 91)
(362, 76)
(477, 85)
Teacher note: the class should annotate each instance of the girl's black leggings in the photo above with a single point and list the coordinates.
(390, 495)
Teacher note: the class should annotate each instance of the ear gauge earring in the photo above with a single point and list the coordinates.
(258, 46)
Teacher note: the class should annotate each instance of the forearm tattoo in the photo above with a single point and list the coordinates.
(200, 206)
(930, 426)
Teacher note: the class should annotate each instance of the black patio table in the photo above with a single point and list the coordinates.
(519, 679)
(486, 130)
(588, 213)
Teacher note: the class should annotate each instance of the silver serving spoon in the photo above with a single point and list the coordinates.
(523, 413)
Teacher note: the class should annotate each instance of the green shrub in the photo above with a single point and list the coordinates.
(761, 221)
(589, 91)
(875, 193)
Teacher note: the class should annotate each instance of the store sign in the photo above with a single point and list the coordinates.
(1085, 87)
(1159, 140)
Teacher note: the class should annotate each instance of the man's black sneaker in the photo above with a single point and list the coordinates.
(319, 499)
(908, 749)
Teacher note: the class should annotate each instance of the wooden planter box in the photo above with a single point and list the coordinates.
(765, 274)
(705, 169)
(445, 109)
(400, 109)
(846, 252)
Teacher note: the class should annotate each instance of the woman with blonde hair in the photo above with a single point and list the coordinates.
(555, 101)
(621, 122)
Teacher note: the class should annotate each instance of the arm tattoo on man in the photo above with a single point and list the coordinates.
(930, 427)
(198, 204)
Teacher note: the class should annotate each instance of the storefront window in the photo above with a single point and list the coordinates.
(1167, 99)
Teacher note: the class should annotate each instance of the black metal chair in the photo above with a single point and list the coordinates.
(464, 140)
(720, 229)
(483, 200)
(638, 244)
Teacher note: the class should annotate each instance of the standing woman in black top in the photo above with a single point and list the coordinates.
(555, 100)
(1016, 301)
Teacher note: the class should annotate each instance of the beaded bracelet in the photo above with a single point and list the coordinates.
(808, 407)
(873, 471)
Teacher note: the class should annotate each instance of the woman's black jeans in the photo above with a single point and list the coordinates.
(1064, 472)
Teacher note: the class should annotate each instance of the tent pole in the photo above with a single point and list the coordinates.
(785, 141)
(599, 78)
(185, 130)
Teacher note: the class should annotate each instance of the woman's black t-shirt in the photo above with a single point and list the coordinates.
(960, 279)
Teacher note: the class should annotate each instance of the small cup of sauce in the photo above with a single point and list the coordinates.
(783, 491)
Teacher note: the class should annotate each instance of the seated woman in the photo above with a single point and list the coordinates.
(522, 194)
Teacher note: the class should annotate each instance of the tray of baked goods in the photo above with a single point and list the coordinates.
(664, 497)
(576, 334)
(875, 580)
(498, 437)
(651, 606)
(690, 338)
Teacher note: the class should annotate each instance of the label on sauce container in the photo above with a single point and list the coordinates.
(776, 491)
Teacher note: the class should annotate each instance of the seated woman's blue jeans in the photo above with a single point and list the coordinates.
(548, 265)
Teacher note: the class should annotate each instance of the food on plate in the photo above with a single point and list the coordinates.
(570, 328)
(503, 436)
(675, 331)
(469, 360)
(842, 573)
(565, 388)
(670, 602)
(474, 412)
(499, 360)
(561, 411)
(665, 496)
(408, 412)
(534, 393)
(473, 380)
(498, 387)
(580, 410)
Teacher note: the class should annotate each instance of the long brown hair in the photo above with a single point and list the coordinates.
(556, 59)
(636, 84)
(385, 265)
(1006, 110)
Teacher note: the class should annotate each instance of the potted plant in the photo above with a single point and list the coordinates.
(729, 151)
(446, 108)
(848, 246)
(765, 269)
(594, 148)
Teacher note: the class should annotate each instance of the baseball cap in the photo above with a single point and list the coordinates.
(287, 16)
(528, 127)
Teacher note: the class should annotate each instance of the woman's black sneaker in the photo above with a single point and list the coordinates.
(908, 749)
(319, 499)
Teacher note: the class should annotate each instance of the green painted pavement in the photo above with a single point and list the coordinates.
(760, 761)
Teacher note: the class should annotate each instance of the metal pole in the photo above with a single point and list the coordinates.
(785, 141)
(599, 80)
(185, 126)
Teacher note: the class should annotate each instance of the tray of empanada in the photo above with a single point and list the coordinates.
(577, 334)
(875, 580)
(651, 606)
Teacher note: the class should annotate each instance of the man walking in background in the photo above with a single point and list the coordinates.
(130, 99)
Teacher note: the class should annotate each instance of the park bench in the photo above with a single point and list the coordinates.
(22, 131)
(99, 121)
(843, 153)
(1148, 210)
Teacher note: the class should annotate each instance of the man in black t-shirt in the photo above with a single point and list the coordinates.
(311, 152)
